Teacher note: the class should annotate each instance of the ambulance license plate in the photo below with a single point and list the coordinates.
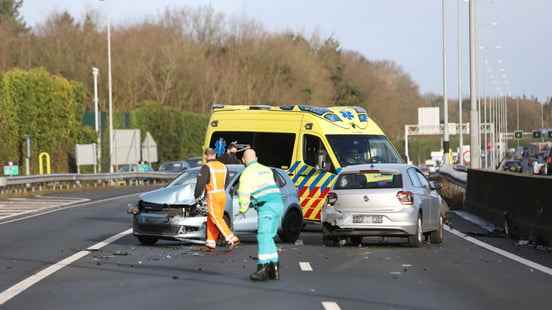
(367, 219)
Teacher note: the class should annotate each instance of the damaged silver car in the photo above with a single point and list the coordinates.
(170, 213)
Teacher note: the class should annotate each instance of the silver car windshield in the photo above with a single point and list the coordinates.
(369, 180)
(190, 177)
(185, 178)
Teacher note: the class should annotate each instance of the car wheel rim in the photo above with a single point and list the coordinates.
(420, 233)
(441, 226)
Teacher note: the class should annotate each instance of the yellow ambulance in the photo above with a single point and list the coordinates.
(311, 143)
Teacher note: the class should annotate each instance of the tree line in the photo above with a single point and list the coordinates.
(185, 59)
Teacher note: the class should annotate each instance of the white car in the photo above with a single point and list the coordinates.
(383, 200)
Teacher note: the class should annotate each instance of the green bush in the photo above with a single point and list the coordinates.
(178, 134)
(8, 126)
(48, 108)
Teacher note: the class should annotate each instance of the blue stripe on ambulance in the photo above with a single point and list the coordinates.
(293, 167)
(317, 180)
(307, 178)
(296, 177)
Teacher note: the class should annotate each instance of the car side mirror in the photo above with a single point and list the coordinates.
(434, 185)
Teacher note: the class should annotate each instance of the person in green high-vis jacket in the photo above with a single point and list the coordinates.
(258, 189)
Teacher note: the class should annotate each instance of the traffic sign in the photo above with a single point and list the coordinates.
(537, 134)
(518, 134)
(11, 171)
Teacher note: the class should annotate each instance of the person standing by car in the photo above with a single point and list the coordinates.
(258, 188)
(211, 180)
(230, 158)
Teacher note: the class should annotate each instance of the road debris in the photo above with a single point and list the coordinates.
(395, 274)
(120, 253)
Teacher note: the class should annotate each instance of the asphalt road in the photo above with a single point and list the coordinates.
(126, 275)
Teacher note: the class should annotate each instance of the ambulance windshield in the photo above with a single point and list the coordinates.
(363, 149)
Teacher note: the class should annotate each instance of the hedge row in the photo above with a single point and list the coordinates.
(178, 134)
(46, 107)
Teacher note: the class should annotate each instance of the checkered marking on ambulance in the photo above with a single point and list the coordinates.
(312, 188)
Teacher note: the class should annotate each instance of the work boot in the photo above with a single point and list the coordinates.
(233, 243)
(262, 273)
(274, 269)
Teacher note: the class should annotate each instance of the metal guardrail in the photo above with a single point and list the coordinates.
(23, 182)
(68, 177)
(453, 177)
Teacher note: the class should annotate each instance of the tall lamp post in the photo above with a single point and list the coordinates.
(475, 151)
(95, 73)
(446, 137)
(110, 92)
(460, 122)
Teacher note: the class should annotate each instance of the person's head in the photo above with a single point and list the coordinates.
(232, 148)
(248, 156)
(209, 154)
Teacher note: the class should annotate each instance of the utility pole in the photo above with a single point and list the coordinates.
(110, 86)
(95, 73)
(475, 151)
(445, 99)
(110, 91)
(485, 123)
(460, 122)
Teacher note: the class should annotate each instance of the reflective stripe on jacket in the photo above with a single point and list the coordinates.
(217, 177)
(257, 184)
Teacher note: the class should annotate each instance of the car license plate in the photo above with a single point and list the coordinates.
(367, 219)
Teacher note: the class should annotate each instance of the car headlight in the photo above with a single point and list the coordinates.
(133, 210)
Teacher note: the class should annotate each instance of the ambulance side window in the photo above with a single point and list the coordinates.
(312, 149)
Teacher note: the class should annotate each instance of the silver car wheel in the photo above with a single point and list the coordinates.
(420, 233)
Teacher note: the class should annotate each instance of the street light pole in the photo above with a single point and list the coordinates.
(95, 73)
(460, 126)
(445, 99)
(110, 89)
(475, 152)
(110, 86)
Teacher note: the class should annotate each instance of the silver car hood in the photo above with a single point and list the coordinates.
(173, 195)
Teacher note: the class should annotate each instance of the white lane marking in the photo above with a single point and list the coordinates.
(23, 285)
(330, 305)
(305, 266)
(498, 251)
(50, 210)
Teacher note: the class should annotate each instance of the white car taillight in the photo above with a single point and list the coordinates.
(332, 198)
(405, 198)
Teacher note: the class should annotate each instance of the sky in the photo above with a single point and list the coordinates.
(515, 35)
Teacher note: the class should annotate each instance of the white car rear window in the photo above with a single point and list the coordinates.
(369, 180)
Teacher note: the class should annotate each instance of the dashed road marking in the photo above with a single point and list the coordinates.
(498, 251)
(14, 207)
(23, 285)
(330, 305)
(305, 266)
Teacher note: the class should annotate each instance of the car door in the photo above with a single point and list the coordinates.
(420, 194)
(431, 203)
(242, 223)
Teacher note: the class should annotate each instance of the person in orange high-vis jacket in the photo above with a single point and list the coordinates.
(212, 180)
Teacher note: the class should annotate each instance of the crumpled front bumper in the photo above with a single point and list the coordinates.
(187, 229)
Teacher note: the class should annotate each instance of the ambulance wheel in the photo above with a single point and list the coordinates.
(292, 224)
(147, 240)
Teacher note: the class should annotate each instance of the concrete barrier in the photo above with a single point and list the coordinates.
(520, 204)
